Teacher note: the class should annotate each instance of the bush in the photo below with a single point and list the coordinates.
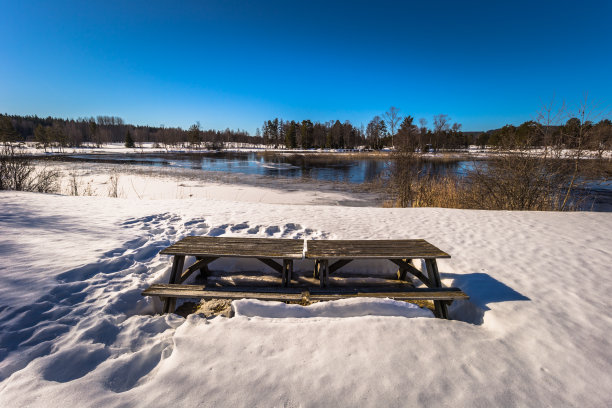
(511, 180)
(18, 173)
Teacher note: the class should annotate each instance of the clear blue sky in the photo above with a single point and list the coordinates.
(234, 64)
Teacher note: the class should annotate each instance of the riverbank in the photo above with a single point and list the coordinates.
(353, 173)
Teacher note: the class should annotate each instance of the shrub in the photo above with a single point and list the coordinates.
(18, 173)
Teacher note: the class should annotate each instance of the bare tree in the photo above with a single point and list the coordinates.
(422, 132)
(441, 125)
(392, 118)
(375, 131)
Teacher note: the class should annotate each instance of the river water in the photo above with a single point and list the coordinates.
(327, 167)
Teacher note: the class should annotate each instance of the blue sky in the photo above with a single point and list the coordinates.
(234, 64)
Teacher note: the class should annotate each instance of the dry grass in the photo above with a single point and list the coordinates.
(507, 182)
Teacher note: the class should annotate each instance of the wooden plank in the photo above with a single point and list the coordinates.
(237, 247)
(263, 289)
(197, 291)
(199, 264)
(297, 294)
(436, 297)
(363, 249)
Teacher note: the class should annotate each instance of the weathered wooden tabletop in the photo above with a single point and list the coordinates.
(386, 249)
(237, 247)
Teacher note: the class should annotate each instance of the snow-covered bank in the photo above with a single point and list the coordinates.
(74, 329)
(155, 183)
(472, 151)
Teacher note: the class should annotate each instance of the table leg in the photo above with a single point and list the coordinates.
(204, 271)
(441, 309)
(177, 269)
(323, 272)
(317, 268)
(287, 271)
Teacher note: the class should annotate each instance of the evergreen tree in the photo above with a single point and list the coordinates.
(328, 140)
(195, 134)
(483, 139)
(266, 133)
(129, 142)
(290, 137)
(407, 134)
(7, 130)
(306, 134)
(40, 135)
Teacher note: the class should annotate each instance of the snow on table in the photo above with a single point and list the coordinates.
(74, 329)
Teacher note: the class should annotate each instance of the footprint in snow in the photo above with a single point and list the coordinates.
(217, 231)
(239, 227)
(272, 230)
(254, 230)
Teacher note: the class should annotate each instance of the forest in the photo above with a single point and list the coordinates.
(387, 131)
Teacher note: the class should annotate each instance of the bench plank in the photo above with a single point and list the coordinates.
(200, 291)
(296, 294)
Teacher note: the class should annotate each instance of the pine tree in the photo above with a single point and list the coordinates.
(129, 142)
(7, 130)
(290, 137)
(195, 134)
(40, 135)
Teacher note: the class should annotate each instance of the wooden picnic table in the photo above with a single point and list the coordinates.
(399, 251)
(209, 249)
(338, 252)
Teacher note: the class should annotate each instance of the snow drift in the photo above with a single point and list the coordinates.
(74, 329)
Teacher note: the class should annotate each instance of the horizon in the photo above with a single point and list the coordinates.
(203, 128)
(234, 65)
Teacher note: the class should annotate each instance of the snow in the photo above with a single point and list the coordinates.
(150, 183)
(149, 147)
(339, 308)
(75, 331)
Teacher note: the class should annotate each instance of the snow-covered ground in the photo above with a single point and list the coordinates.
(150, 147)
(75, 331)
(154, 183)
(472, 151)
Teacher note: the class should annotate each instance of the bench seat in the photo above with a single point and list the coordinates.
(296, 294)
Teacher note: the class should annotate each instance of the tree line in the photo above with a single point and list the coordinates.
(389, 130)
(97, 131)
(573, 134)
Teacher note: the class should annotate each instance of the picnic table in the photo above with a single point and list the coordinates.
(209, 249)
(328, 255)
(400, 252)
